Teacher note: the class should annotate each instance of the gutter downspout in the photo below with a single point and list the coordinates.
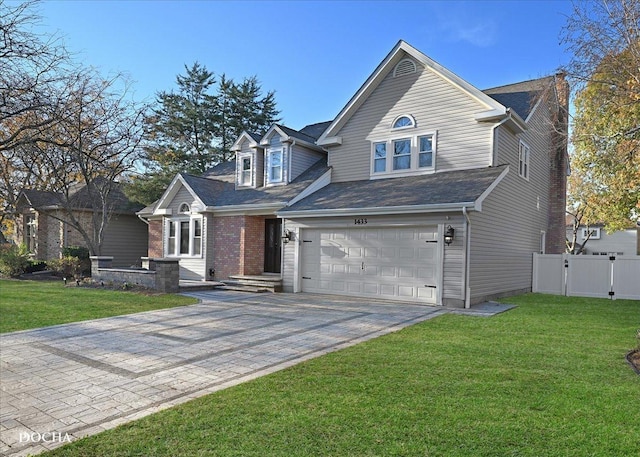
(467, 232)
(143, 219)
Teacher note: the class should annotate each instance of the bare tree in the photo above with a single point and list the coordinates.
(31, 66)
(63, 128)
(90, 147)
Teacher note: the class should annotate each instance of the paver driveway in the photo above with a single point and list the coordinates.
(60, 383)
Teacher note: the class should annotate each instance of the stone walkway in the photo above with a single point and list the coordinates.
(64, 382)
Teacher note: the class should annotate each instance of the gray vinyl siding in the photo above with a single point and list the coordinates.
(453, 270)
(182, 196)
(258, 167)
(435, 104)
(507, 231)
(301, 159)
(623, 241)
(126, 239)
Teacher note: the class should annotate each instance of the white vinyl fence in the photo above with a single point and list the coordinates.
(587, 276)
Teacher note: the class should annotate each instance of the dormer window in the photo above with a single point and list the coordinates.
(246, 175)
(403, 122)
(274, 166)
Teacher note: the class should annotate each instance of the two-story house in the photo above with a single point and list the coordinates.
(423, 188)
(224, 223)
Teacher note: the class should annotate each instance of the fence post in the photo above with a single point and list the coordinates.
(565, 272)
(612, 293)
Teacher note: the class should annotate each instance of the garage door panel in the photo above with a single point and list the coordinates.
(426, 293)
(406, 272)
(406, 291)
(426, 273)
(377, 262)
(388, 253)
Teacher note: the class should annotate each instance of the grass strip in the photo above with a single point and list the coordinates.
(33, 304)
(548, 378)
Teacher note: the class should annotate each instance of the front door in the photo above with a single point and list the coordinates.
(272, 248)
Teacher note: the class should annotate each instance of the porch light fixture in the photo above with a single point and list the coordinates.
(288, 235)
(448, 235)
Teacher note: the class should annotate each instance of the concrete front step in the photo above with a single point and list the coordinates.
(238, 288)
(262, 283)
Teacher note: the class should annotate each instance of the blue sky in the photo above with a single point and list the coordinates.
(314, 54)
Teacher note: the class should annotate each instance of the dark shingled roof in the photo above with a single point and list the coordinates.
(79, 198)
(216, 190)
(296, 134)
(521, 97)
(315, 130)
(449, 187)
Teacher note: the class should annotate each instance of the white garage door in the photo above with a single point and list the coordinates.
(387, 263)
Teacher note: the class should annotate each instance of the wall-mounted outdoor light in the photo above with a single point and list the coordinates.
(448, 235)
(288, 236)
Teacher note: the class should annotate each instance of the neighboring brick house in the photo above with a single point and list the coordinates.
(423, 188)
(43, 226)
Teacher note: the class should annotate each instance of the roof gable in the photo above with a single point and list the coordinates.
(287, 134)
(179, 181)
(522, 97)
(401, 51)
(252, 138)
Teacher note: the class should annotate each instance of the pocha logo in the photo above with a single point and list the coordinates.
(46, 437)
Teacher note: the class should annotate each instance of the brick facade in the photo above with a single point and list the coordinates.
(155, 239)
(238, 245)
(556, 233)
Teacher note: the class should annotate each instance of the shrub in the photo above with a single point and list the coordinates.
(68, 267)
(82, 254)
(14, 260)
(36, 265)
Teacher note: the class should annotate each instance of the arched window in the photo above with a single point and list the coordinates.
(404, 121)
(184, 208)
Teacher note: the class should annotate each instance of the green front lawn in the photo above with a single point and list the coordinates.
(33, 304)
(548, 378)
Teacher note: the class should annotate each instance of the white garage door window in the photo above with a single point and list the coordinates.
(386, 263)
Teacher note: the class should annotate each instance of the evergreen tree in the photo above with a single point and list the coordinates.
(194, 128)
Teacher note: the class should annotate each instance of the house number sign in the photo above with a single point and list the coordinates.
(362, 221)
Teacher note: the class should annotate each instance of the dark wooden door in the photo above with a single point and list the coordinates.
(272, 246)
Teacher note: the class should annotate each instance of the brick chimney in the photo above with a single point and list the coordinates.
(559, 167)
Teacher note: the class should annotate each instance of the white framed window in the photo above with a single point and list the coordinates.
(595, 233)
(379, 157)
(30, 232)
(404, 155)
(183, 237)
(246, 170)
(523, 160)
(275, 166)
(425, 151)
(184, 208)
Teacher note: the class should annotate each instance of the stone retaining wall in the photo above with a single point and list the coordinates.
(159, 274)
